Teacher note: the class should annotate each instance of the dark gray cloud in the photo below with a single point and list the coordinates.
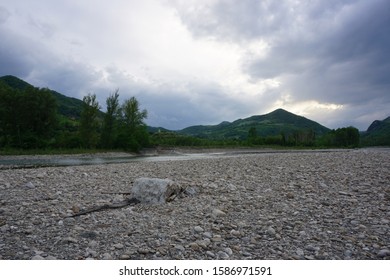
(202, 62)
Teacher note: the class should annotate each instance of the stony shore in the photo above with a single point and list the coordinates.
(312, 205)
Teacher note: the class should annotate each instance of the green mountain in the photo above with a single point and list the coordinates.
(274, 123)
(377, 134)
(67, 106)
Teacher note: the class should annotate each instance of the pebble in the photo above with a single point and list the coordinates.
(119, 246)
(218, 213)
(235, 233)
(223, 255)
(270, 231)
(198, 229)
(38, 257)
(107, 256)
(384, 253)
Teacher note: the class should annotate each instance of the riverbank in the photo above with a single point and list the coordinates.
(311, 205)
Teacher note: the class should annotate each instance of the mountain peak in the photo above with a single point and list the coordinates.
(271, 124)
(15, 82)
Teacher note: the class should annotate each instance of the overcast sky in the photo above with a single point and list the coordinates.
(206, 61)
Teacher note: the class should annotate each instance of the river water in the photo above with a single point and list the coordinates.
(47, 161)
(15, 162)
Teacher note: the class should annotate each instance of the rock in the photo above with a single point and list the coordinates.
(194, 246)
(69, 240)
(154, 191)
(118, 246)
(217, 213)
(204, 243)
(37, 258)
(222, 255)
(143, 251)
(270, 231)
(198, 229)
(216, 238)
(107, 256)
(235, 233)
(290, 195)
(384, 253)
(300, 252)
(228, 251)
(210, 254)
(29, 185)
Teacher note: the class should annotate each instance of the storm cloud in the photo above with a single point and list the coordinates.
(203, 62)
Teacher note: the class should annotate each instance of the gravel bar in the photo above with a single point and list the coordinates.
(313, 205)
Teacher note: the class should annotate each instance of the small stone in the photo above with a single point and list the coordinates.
(218, 213)
(91, 253)
(270, 231)
(180, 248)
(143, 251)
(235, 232)
(198, 229)
(300, 252)
(194, 246)
(228, 251)
(207, 234)
(37, 258)
(69, 240)
(76, 209)
(124, 257)
(204, 243)
(223, 255)
(216, 238)
(310, 248)
(93, 244)
(384, 253)
(107, 256)
(118, 246)
(210, 254)
(29, 185)
(290, 195)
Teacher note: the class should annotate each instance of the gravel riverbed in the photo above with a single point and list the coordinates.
(294, 205)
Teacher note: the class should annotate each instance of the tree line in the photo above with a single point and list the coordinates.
(29, 119)
(347, 137)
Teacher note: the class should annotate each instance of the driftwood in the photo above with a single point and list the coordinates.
(127, 202)
(124, 193)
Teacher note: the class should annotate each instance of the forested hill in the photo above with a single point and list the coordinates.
(67, 106)
(274, 123)
(377, 134)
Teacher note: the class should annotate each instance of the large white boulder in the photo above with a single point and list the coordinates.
(154, 190)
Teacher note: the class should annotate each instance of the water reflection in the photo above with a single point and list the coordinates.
(24, 162)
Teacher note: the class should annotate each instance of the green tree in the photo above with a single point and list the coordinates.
(28, 117)
(133, 133)
(89, 123)
(110, 123)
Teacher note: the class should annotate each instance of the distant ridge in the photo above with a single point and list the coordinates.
(274, 123)
(67, 106)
